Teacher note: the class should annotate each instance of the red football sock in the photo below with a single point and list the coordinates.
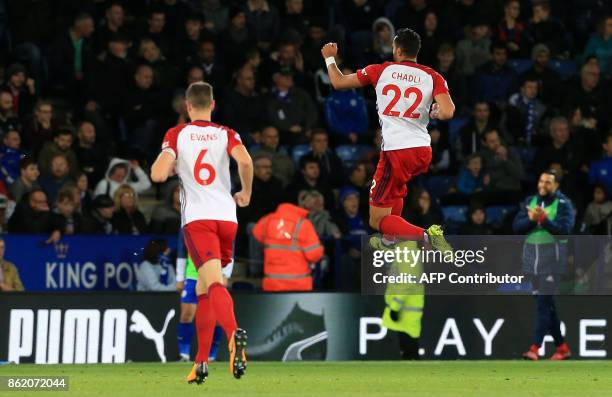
(397, 226)
(398, 206)
(223, 306)
(205, 327)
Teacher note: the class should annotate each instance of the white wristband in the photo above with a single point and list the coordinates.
(180, 269)
(330, 61)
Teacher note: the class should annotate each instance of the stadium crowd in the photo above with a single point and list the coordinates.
(90, 87)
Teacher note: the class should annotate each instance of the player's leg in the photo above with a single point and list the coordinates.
(189, 301)
(218, 334)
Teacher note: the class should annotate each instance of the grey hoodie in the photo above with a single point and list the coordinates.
(108, 186)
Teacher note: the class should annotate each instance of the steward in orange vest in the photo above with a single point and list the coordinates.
(290, 245)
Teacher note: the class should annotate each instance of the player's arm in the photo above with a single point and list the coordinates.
(162, 167)
(443, 108)
(338, 80)
(245, 171)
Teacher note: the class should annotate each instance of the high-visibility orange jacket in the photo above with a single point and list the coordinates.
(290, 245)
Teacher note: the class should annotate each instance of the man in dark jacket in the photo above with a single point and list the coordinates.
(546, 217)
(98, 220)
(32, 215)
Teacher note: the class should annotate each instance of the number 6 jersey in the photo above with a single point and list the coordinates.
(404, 93)
(202, 151)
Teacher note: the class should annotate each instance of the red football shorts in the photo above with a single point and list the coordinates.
(395, 168)
(209, 239)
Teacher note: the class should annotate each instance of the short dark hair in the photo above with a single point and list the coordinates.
(498, 45)
(409, 41)
(489, 132)
(554, 173)
(200, 95)
(153, 250)
(26, 162)
(318, 131)
(63, 195)
(307, 159)
(62, 131)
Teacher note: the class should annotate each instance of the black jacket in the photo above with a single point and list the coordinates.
(125, 223)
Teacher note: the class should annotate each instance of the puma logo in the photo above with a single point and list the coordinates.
(141, 324)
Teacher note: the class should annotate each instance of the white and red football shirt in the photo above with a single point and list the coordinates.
(404, 94)
(202, 151)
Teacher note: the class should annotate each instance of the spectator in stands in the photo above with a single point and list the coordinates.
(358, 180)
(309, 178)
(216, 14)
(311, 48)
(288, 57)
(70, 56)
(120, 172)
(282, 166)
(420, 212)
(294, 20)
(440, 149)
(289, 108)
(10, 156)
(432, 38)
(446, 65)
(564, 153)
(329, 163)
(235, 41)
(546, 29)
(114, 18)
(242, 107)
(511, 31)
(473, 51)
(22, 88)
(351, 222)
(127, 218)
(142, 108)
(383, 33)
(65, 213)
(584, 131)
(525, 114)
(91, 156)
(267, 190)
(32, 216)
(84, 194)
(495, 80)
(155, 274)
(601, 170)
(471, 135)
(98, 219)
(9, 275)
(164, 72)
(347, 114)
(215, 72)
(27, 181)
(166, 217)
(597, 214)
(156, 22)
(314, 202)
(549, 82)
(40, 128)
(600, 45)
(472, 178)
(476, 222)
(263, 21)
(8, 119)
(57, 177)
(589, 94)
(503, 166)
(188, 43)
(61, 144)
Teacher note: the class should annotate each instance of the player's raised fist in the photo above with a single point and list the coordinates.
(242, 198)
(329, 50)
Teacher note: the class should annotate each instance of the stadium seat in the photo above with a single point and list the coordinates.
(520, 66)
(350, 154)
(496, 214)
(438, 185)
(454, 126)
(565, 67)
(299, 151)
(455, 213)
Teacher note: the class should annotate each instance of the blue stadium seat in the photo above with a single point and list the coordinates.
(565, 67)
(455, 213)
(438, 185)
(496, 214)
(350, 154)
(520, 66)
(299, 151)
(454, 126)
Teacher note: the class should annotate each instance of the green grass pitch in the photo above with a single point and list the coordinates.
(365, 378)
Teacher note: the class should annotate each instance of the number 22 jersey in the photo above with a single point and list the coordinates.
(404, 94)
(202, 151)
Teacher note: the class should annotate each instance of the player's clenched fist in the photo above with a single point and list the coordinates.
(329, 50)
(242, 198)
